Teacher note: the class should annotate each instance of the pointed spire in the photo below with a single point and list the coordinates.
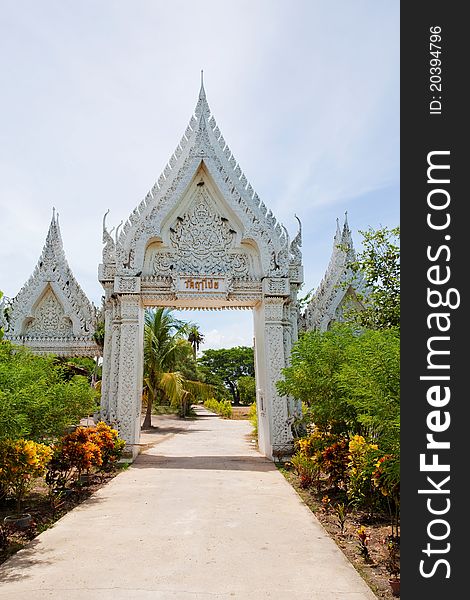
(338, 233)
(346, 237)
(53, 248)
(202, 108)
(109, 250)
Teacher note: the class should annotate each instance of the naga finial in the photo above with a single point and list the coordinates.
(296, 244)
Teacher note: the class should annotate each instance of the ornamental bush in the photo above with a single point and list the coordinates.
(222, 407)
(306, 468)
(334, 463)
(21, 461)
(109, 442)
(315, 443)
(362, 462)
(84, 449)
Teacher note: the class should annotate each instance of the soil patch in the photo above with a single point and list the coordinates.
(240, 412)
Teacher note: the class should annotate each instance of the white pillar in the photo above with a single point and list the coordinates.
(273, 420)
(130, 371)
(105, 412)
(262, 408)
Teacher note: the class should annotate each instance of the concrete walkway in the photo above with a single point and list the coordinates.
(199, 515)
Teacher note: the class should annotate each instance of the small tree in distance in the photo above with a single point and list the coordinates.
(228, 365)
(379, 264)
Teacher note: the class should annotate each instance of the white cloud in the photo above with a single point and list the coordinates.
(227, 338)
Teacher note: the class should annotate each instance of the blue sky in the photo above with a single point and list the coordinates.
(96, 95)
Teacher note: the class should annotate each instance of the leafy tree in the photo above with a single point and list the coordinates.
(247, 389)
(379, 263)
(228, 365)
(317, 359)
(3, 315)
(350, 382)
(36, 400)
(369, 380)
(79, 366)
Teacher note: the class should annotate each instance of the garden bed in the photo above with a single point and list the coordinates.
(377, 528)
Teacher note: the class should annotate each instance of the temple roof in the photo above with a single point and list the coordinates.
(339, 284)
(201, 144)
(51, 313)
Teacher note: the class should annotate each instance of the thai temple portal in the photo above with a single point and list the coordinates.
(200, 239)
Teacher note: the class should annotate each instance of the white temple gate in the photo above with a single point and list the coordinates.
(200, 239)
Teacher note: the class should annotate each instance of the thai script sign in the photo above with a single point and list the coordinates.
(201, 285)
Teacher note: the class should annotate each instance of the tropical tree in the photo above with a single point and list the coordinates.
(98, 336)
(195, 337)
(167, 354)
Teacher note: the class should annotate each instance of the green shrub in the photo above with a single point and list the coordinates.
(36, 401)
(362, 463)
(253, 418)
(306, 468)
(222, 407)
(334, 463)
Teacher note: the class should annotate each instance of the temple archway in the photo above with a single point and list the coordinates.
(200, 239)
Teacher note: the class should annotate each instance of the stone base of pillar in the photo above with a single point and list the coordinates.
(281, 452)
(129, 454)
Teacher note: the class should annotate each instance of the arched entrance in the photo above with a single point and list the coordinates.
(200, 239)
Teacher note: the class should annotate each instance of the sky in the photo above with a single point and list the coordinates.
(96, 96)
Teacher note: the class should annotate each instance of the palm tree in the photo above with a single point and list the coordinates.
(165, 346)
(195, 337)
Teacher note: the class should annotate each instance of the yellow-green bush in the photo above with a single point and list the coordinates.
(222, 408)
(253, 417)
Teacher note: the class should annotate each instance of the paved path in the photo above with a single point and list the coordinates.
(199, 515)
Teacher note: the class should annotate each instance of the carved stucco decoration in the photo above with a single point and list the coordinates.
(49, 318)
(202, 242)
(338, 286)
(51, 313)
(202, 145)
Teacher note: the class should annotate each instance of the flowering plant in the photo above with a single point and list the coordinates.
(21, 461)
(334, 462)
(82, 450)
(361, 464)
(363, 541)
(108, 440)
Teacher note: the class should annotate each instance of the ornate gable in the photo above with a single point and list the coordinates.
(202, 189)
(334, 295)
(51, 313)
